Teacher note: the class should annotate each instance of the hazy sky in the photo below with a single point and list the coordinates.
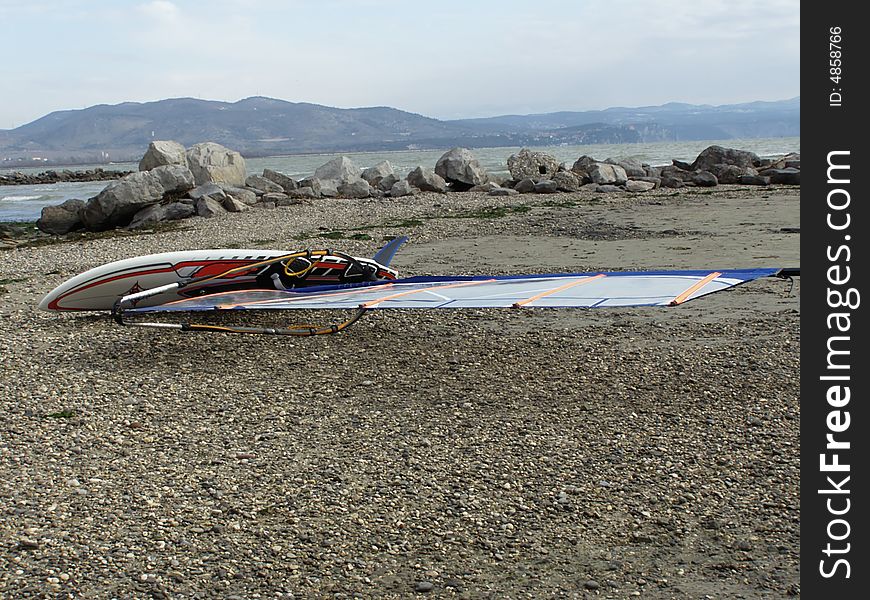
(441, 58)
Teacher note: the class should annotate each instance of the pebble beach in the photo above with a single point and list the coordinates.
(638, 452)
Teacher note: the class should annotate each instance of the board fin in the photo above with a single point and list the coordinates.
(385, 255)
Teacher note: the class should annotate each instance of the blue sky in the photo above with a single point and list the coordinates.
(444, 58)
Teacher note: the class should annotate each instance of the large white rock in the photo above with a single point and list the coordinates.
(359, 188)
(427, 180)
(212, 163)
(603, 173)
(163, 152)
(402, 188)
(374, 175)
(174, 178)
(460, 169)
(528, 164)
(340, 169)
(286, 183)
(264, 185)
(631, 166)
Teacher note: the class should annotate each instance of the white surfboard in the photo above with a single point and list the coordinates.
(99, 288)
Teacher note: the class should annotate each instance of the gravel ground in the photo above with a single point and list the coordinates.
(472, 454)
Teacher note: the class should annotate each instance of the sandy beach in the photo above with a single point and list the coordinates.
(472, 454)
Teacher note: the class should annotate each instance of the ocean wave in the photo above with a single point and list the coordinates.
(19, 198)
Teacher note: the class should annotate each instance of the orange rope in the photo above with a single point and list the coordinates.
(522, 303)
(685, 295)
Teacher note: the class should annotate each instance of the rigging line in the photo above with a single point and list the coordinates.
(377, 301)
(528, 301)
(308, 296)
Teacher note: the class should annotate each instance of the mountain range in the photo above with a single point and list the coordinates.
(261, 126)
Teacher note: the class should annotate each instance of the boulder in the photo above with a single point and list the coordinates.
(120, 201)
(730, 173)
(147, 216)
(355, 189)
(674, 172)
(286, 183)
(603, 173)
(792, 159)
(209, 190)
(546, 186)
(241, 194)
(527, 164)
(714, 155)
(61, 218)
(161, 212)
(230, 204)
(178, 210)
(582, 164)
(303, 193)
(385, 184)
(340, 169)
(503, 191)
(459, 168)
(656, 181)
(175, 179)
(427, 180)
(207, 207)
(211, 162)
(402, 188)
(162, 153)
(263, 185)
(631, 166)
(652, 171)
(374, 175)
(636, 185)
(787, 176)
(682, 165)
(704, 179)
(274, 197)
(525, 186)
(754, 180)
(568, 181)
(329, 188)
(671, 182)
(311, 182)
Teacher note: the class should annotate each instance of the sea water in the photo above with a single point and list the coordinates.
(25, 202)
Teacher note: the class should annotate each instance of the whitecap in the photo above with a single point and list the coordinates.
(19, 198)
